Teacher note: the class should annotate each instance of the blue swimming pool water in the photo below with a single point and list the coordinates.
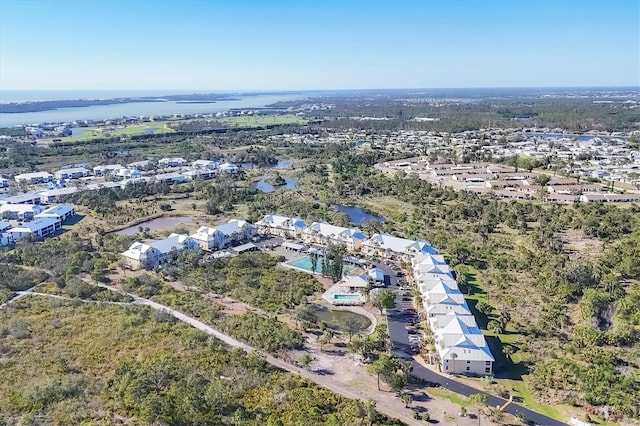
(346, 296)
(305, 263)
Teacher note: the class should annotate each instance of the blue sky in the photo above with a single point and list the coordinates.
(305, 44)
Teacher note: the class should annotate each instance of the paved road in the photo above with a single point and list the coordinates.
(400, 340)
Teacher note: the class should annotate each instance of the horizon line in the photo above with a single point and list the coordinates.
(622, 86)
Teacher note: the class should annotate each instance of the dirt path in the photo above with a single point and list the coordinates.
(348, 378)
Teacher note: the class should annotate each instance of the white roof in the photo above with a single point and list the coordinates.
(466, 349)
(33, 175)
(229, 228)
(204, 163)
(172, 160)
(58, 210)
(356, 281)
(59, 191)
(332, 231)
(21, 208)
(73, 170)
(108, 167)
(428, 259)
(167, 176)
(441, 291)
(446, 305)
(442, 320)
(292, 246)
(389, 242)
(167, 245)
(286, 222)
(19, 199)
(34, 225)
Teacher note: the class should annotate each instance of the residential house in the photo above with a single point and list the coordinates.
(170, 178)
(5, 225)
(139, 165)
(106, 169)
(20, 211)
(388, 246)
(324, 234)
(28, 198)
(35, 177)
(61, 212)
(230, 168)
(52, 195)
(128, 173)
(155, 253)
(281, 226)
(172, 162)
(205, 165)
(463, 349)
(72, 173)
(442, 292)
(446, 306)
(199, 174)
(4, 183)
(225, 235)
(39, 228)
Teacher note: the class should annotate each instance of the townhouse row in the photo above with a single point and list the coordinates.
(42, 223)
(461, 347)
(323, 233)
(459, 343)
(132, 170)
(158, 252)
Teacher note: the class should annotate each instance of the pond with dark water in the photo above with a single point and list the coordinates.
(357, 215)
(334, 318)
(264, 186)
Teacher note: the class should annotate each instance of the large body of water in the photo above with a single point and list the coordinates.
(101, 112)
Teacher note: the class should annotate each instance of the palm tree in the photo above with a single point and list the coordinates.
(454, 356)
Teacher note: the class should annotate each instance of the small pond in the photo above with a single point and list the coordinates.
(333, 318)
(283, 164)
(264, 186)
(150, 130)
(158, 224)
(357, 215)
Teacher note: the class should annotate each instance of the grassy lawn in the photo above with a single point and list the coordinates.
(130, 130)
(451, 396)
(263, 120)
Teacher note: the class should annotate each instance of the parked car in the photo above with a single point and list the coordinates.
(414, 339)
(406, 299)
(412, 331)
(410, 310)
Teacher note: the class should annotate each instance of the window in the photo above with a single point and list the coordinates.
(487, 363)
(468, 362)
(446, 368)
(487, 370)
(468, 368)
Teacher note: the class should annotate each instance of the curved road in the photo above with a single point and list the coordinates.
(400, 340)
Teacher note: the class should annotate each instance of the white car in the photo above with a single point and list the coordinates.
(414, 339)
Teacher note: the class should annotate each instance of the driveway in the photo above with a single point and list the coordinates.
(400, 342)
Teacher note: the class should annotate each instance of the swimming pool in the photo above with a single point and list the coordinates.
(346, 296)
(305, 263)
